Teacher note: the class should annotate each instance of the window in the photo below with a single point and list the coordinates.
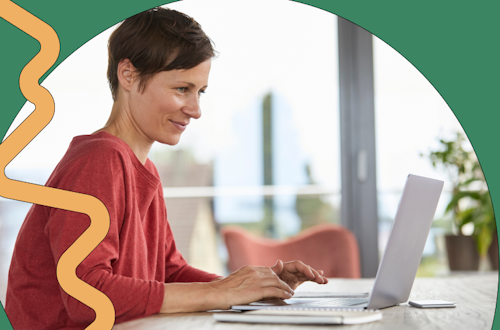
(411, 117)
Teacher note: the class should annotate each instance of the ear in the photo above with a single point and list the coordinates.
(127, 74)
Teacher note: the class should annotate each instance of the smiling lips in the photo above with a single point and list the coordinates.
(180, 125)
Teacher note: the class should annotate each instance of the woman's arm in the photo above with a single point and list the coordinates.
(100, 169)
(246, 285)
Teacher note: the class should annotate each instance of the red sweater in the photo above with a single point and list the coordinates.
(130, 266)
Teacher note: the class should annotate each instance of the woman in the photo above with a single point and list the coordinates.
(159, 63)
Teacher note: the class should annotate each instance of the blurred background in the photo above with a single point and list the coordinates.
(307, 120)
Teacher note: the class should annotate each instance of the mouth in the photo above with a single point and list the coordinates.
(179, 125)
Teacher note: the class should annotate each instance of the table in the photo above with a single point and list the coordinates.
(475, 295)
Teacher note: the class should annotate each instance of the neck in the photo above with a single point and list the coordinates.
(122, 125)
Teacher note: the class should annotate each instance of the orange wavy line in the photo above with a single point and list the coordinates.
(57, 198)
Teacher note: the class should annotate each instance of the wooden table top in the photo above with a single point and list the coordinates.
(475, 295)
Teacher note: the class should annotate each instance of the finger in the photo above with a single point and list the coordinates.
(322, 273)
(276, 282)
(271, 292)
(302, 279)
(317, 276)
(260, 293)
(299, 267)
(278, 267)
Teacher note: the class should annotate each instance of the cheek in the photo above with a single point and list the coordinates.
(155, 108)
(169, 106)
(173, 103)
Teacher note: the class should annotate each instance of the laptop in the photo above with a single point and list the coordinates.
(401, 258)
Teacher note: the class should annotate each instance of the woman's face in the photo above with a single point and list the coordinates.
(171, 98)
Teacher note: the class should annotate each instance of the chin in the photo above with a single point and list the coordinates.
(171, 141)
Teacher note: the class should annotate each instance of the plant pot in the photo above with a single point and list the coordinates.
(462, 254)
(493, 251)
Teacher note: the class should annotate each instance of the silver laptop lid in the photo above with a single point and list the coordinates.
(403, 252)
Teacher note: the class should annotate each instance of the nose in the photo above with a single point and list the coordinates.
(192, 107)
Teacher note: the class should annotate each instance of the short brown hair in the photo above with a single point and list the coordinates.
(158, 39)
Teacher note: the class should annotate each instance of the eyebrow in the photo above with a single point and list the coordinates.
(190, 84)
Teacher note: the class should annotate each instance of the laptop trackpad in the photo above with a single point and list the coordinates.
(286, 302)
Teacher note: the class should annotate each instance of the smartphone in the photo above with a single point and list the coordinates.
(432, 304)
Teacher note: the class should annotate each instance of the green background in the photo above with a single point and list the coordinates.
(454, 43)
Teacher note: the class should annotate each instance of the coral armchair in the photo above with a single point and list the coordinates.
(331, 248)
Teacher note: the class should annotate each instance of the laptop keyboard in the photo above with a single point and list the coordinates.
(339, 302)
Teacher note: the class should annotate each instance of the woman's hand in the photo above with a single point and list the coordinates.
(249, 284)
(294, 273)
(246, 285)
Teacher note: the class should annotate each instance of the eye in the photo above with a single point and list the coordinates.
(201, 92)
(182, 90)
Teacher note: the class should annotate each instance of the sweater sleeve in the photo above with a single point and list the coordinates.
(100, 174)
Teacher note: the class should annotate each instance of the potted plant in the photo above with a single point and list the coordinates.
(470, 207)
